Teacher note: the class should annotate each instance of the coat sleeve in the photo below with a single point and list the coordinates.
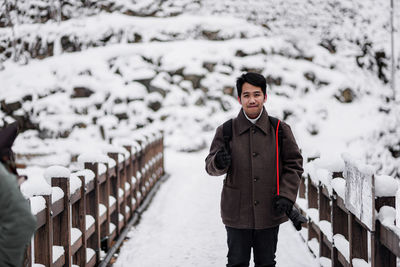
(216, 145)
(292, 165)
(17, 224)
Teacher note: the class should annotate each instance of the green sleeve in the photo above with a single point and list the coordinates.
(17, 224)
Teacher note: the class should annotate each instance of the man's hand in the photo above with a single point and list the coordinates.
(283, 205)
(223, 159)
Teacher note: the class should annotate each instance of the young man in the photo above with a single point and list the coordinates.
(255, 197)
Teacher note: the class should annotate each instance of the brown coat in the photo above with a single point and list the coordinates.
(250, 183)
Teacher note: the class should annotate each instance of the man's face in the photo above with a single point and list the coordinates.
(252, 100)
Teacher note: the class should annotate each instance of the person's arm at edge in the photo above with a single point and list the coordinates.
(216, 145)
(17, 224)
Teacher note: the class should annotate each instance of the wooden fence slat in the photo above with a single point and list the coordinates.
(44, 238)
(114, 186)
(358, 239)
(92, 206)
(61, 224)
(79, 221)
(104, 192)
(380, 253)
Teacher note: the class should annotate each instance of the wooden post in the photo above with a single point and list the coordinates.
(62, 222)
(92, 206)
(358, 239)
(324, 214)
(122, 177)
(135, 171)
(381, 256)
(140, 171)
(128, 179)
(114, 185)
(104, 192)
(302, 188)
(312, 194)
(79, 221)
(44, 238)
(339, 226)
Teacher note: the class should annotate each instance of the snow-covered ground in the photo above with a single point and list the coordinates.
(182, 226)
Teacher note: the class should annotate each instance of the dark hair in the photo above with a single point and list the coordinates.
(253, 79)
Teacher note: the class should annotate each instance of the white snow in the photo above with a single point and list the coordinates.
(102, 209)
(56, 172)
(387, 215)
(35, 185)
(121, 158)
(325, 262)
(120, 217)
(75, 183)
(58, 251)
(112, 227)
(111, 200)
(120, 192)
(314, 246)
(102, 168)
(92, 157)
(38, 204)
(338, 184)
(89, 221)
(88, 174)
(326, 228)
(385, 186)
(75, 235)
(361, 166)
(342, 245)
(313, 214)
(360, 263)
(90, 253)
(127, 187)
(56, 194)
(330, 161)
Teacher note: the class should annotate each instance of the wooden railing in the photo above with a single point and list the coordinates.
(337, 236)
(81, 226)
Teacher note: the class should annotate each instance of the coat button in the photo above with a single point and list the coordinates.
(253, 131)
(255, 154)
(255, 179)
(256, 203)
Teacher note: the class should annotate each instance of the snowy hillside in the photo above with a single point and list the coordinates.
(85, 73)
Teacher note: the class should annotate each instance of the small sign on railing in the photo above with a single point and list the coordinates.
(360, 191)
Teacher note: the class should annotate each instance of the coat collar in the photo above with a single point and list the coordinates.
(262, 123)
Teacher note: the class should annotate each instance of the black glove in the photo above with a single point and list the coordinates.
(222, 159)
(283, 205)
(297, 218)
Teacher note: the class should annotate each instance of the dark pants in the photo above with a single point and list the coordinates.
(263, 242)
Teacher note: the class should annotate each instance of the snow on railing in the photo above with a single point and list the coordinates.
(351, 213)
(81, 214)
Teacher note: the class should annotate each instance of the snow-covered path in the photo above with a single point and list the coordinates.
(182, 225)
